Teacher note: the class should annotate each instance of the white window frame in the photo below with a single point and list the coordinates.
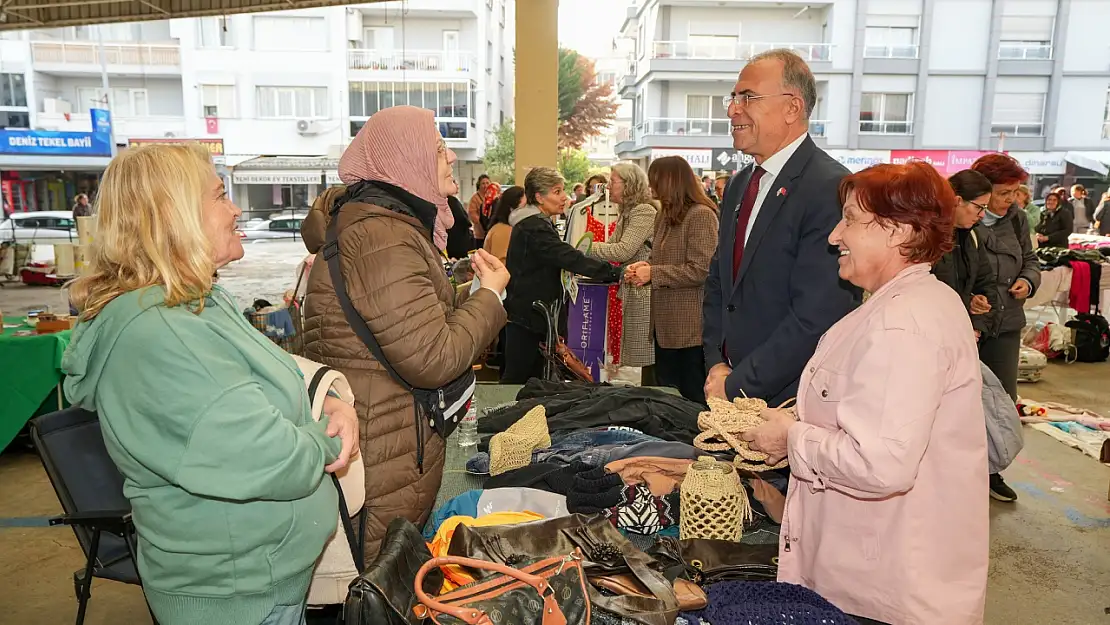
(223, 27)
(292, 44)
(887, 50)
(1017, 48)
(375, 30)
(1021, 128)
(882, 122)
(320, 110)
(220, 91)
(129, 92)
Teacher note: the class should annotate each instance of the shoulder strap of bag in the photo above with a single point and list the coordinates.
(348, 527)
(355, 320)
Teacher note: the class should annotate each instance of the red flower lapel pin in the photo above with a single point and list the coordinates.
(781, 192)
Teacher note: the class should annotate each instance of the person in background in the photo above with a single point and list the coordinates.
(81, 206)
(719, 185)
(1056, 223)
(497, 238)
(682, 248)
(460, 236)
(1017, 274)
(208, 422)
(1082, 209)
(1102, 223)
(772, 289)
(536, 257)
(630, 243)
(591, 184)
(888, 449)
(966, 268)
(1032, 211)
(709, 185)
(579, 192)
(474, 208)
(398, 174)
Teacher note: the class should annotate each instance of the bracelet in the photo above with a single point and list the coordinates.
(334, 393)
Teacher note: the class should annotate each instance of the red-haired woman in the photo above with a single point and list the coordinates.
(887, 454)
(683, 245)
(1016, 272)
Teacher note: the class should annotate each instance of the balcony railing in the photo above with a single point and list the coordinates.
(411, 60)
(146, 126)
(735, 51)
(1024, 52)
(79, 53)
(890, 52)
(886, 128)
(679, 126)
(817, 127)
(1025, 129)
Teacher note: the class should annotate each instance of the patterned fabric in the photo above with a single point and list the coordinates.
(629, 243)
(766, 603)
(643, 513)
(614, 305)
(680, 257)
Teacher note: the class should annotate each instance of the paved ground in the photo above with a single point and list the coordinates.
(1050, 552)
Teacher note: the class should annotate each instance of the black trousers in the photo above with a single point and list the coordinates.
(523, 359)
(1001, 354)
(682, 368)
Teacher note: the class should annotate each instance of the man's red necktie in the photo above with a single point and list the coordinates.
(746, 206)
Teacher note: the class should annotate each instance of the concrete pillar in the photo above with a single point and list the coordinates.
(537, 85)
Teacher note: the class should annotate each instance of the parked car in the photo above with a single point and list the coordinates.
(269, 229)
(43, 227)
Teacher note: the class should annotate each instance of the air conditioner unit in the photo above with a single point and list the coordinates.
(308, 127)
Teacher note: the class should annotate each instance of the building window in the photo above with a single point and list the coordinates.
(1106, 117)
(1018, 114)
(452, 103)
(218, 101)
(15, 119)
(290, 33)
(1025, 37)
(378, 38)
(886, 113)
(123, 102)
(890, 42)
(13, 91)
(292, 102)
(489, 57)
(705, 115)
(215, 32)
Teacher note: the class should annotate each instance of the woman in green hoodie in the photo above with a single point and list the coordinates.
(208, 421)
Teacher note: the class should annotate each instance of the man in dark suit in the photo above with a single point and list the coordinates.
(773, 287)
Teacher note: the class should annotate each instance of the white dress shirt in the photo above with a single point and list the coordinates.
(772, 166)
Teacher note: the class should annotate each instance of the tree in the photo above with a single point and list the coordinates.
(574, 165)
(585, 106)
(500, 158)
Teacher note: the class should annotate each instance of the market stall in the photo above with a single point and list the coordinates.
(36, 382)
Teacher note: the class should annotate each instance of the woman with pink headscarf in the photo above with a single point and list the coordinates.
(391, 224)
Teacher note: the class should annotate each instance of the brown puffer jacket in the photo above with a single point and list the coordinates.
(397, 283)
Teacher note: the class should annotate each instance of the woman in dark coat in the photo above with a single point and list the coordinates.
(1056, 222)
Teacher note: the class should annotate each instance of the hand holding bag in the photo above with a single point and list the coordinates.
(548, 592)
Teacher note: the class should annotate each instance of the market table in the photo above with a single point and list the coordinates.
(31, 367)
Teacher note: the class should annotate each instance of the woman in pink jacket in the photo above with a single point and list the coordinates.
(886, 515)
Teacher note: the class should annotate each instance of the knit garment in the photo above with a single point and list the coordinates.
(400, 145)
(766, 603)
(592, 489)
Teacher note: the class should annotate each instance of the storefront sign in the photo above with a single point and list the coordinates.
(730, 160)
(698, 159)
(1042, 163)
(276, 177)
(946, 162)
(57, 143)
(856, 160)
(333, 177)
(215, 147)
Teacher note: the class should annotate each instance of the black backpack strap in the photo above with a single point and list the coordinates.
(353, 540)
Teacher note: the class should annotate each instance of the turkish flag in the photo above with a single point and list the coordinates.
(213, 125)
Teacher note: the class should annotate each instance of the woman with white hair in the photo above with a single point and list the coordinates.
(630, 243)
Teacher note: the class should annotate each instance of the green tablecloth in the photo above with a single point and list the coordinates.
(29, 373)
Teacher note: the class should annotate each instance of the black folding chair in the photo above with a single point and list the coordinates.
(90, 489)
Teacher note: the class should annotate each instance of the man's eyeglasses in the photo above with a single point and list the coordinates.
(744, 99)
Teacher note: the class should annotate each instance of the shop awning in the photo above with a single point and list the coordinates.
(284, 170)
(23, 14)
(1097, 162)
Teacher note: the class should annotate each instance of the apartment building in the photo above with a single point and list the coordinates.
(943, 80)
(275, 96)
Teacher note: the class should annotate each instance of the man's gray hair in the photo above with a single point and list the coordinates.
(796, 75)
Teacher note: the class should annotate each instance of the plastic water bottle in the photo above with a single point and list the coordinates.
(467, 434)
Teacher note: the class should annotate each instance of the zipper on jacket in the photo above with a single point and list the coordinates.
(442, 402)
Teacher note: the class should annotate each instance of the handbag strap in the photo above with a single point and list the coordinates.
(348, 528)
(355, 320)
(552, 613)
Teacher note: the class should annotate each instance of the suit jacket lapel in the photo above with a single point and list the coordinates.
(776, 197)
(729, 215)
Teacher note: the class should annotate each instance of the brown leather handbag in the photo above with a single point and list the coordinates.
(604, 552)
(548, 592)
(706, 561)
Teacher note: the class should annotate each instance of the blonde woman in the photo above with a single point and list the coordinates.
(631, 243)
(208, 421)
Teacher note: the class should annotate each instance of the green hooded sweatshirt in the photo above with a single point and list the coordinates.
(210, 425)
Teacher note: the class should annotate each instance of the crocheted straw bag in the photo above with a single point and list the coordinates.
(713, 502)
(512, 449)
(724, 422)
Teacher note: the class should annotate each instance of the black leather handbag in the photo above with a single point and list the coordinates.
(705, 561)
(384, 594)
